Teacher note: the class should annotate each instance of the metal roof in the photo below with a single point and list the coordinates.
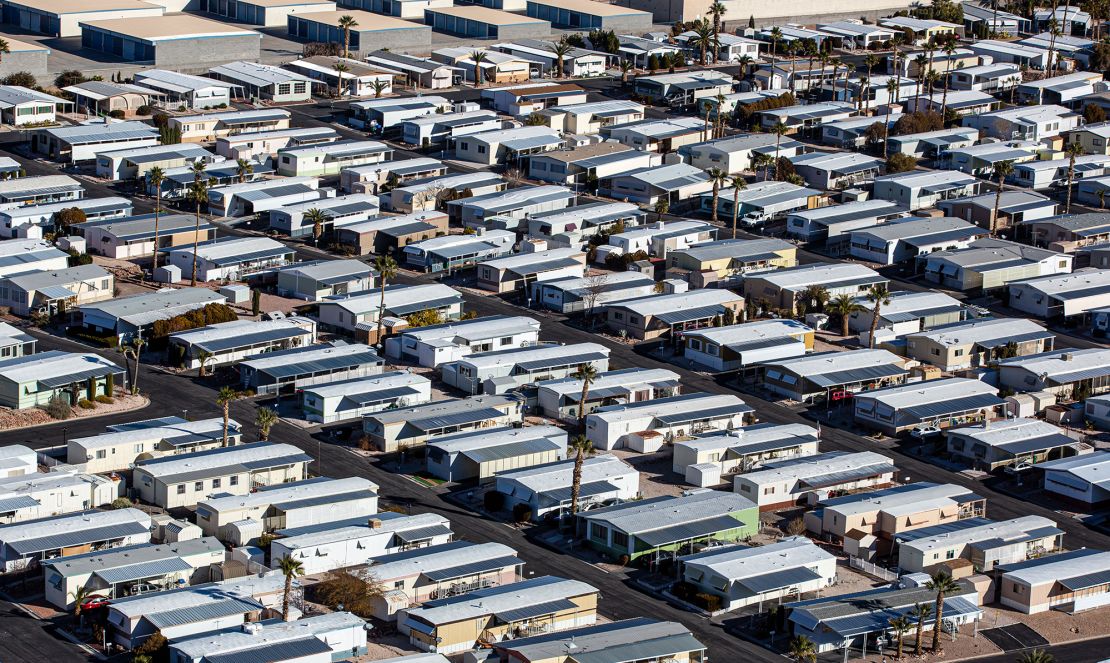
(543, 266)
(707, 413)
(761, 343)
(152, 569)
(1086, 581)
(591, 489)
(836, 478)
(511, 450)
(778, 579)
(279, 651)
(457, 418)
(14, 503)
(533, 611)
(218, 345)
(565, 360)
(473, 568)
(364, 398)
(77, 538)
(644, 650)
(210, 609)
(321, 500)
(78, 376)
(686, 315)
(414, 307)
(690, 530)
(322, 365)
(422, 533)
(928, 411)
(861, 374)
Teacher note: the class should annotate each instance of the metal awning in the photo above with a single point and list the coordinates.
(929, 411)
(1086, 581)
(76, 377)
(533, 611)
(687, 531)
(780, 579)
(423, 533)
(472, 569)
(592, 489)
(852, 375)
(10, 504)
(152, 569)
(704, 414)
(415, 307)
(54, 292)
(565, 360)
(690, 314)
(1041, 443)
(854, 474)
(513, 450)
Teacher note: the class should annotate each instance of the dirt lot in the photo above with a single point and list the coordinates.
(656, 477)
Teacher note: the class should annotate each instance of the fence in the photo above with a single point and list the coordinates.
(872, 569)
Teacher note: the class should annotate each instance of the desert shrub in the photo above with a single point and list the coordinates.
(22, 78)
(117, 114)
(900, 163)
(121, 503)
(209, 315)
(355, 594)
(144, 110)
(107, 400)
(58, 408)
(86, 404)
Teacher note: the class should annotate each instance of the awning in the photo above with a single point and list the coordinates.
(778, 580)
(687, 531)
(472, 569)
(153, 569)
(533, 611)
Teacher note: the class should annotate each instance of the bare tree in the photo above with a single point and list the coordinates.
(595, 285)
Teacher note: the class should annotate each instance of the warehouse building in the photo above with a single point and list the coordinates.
(373, 32)
(484, 23)
(25, 56)
(181, 41)
(63, 18)
(589, 15)
(267, 13)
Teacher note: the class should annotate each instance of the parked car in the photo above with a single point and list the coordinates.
(924, 432)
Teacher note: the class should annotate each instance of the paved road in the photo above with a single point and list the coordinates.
(27, 640)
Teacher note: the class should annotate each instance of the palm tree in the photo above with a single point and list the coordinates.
(80, 596)
(921, 61)
(379, 87)
(317, 218)
(224, 398)
(203, 357)
(134, 351)
(803, 649)
(346, 22)
(779, 130)
(738, 185)
(950, 51)
(156, 176)
(1002, 169)
(340, 69)
(703, 39)
(265, 419)
(776, 36)
(941, 583)
(891, 90)
(718, 177)
(717, 10)
(920, 613)
(198, 195)
(1036, 656)
(816, 296)
(843, 306)
(1072, 150)
(744, 62)
(243, 168)
(387, 270)
(931, 79)
(587, 374)
(878, 295)
(582, 447)
(662, 207)
(478, 58)
(899, 625)
(626, 68)
(1054, 31)
(290, 568)
(561, 49)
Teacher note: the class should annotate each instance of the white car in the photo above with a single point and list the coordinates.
(924, 432)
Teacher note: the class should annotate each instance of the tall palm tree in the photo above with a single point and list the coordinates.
(950, 52)
(582, 447)
(1102, 198)
(900, 625)
(290, 568)
(1002, 169)
(1072, 150)
(387, 270)
(1036, 656)
(561, 49)
(317, 218)
(379, 87)
(243, 168)
(931, 79)
(1054, 31)
(891, 89)
(265, 419)
(922, 62)
(718, 177)
(198, 195)
(340, 70)
(776, 37)
(79, 596)
(346, 22)
(717, 10)
(738, 184)
(843, 306)
(156, 177)
(779, 130)
(626, 68)
(803, 649)
(703, 40)
(899, 37)
(920, 613)
(745, 61)
(224, 398)
(879, 296)
(478, 58)
(587, 374)
(941, 583)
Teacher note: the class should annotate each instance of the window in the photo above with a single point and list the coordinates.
(1018, 589)
(101, 454)
(233, 481)
(508, 340)
(180, 489)
(198, 486)
(951, 554)
(770, 490)
(620, 539)
(139, 448)
(597, 531)
(215, 483)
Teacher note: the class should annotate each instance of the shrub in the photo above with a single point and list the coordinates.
(70, 77)
(522, 513)
(494, 501)
(900, 163)
(116, 114)
(86, 404)
(144, 110)
(121, 503)
(917, 122)
(107, 400)
(22, 79)
(711, 602)
(796, 527)
(355, 594)
(58, 408)
(209, 315)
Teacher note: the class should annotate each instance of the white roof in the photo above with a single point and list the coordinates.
(1065, 283)
(652, 128)
(818, 465)
(234, 116)
(918, 179)
(312, 353)
(395, 295)
(345, 531)
(484, 360)
(911, 498)
(1094, 468)
(1007, 431)
(531, 592)
(367, 385)
(170, 429)
(1016, 529)
(1029, 114)
(930, 391)
(974, 331)
(258, 74)
(526, 259)
(671, 227)
(908, 301)
(739, 562)
(1059, 363)
(560, 474)
(799, 278)
(437, 558)
(236, 328)
(757, 435)
(751, 331)
(662, 407)
(628, 377)
(659, 513)
(1049, 570)
(35, 529)
(465, 332)
(271, 632)
(178, 82)
(207, 461)
(679, 301)
(291, 492)
(488, 438)
(828, 362)
(1007, 47)
(53, 364)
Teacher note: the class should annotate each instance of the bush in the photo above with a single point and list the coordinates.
(355, 594)
(58, 408)
(796, 527)
(121, 503)
(900, 163)
(86, 404)
(107, 400)
(494, 501)
(70, 77)
(22, 79)
(522, 513)
(917, 122)
(209, 315)
(144, 110)
(711, 602)
(116, 114)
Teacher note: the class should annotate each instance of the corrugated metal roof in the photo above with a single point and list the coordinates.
(837, 478)
(512, 450)
(210, 609)
(862, 374)
(321, 500)
(1086, 581)
(414, 307)
(10, 504)
(691, 530)
(543, 266)
(152, 569)
(365, 398)
(278, 651)
(422, 533)
(76, 538)
(218, 345)
(565, 360)
(78, 376)
(653, 649)
(533, 611)
(704, 414)
(779, 579)
(761, 343)
(686, 315)
(591, 489)
(939, 409)
(473, 568)
(324, 365)
(457, 418)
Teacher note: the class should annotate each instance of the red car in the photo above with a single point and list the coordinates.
(841, 395)
(94, 602)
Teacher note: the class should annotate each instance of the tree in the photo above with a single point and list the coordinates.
(717, 11)
(899, 625)
(891, 90)
(879, 296)
(134, 351)
(379, 87)
(779, 130)
(751, 21)
(1093, 114)
(738, 185)
(587, 374)
(290, 568)
(203, 357)
(950, 52)
(1002, 169)
(340, 70)
(198, 195)
(265, 419)
(243, 168)
(387, 270)
(744, 61)
(155, 177)
(1102, 198)
(626, 68)
(703, 40)
(561, 49)
(478, 58)
(718, 177)
(921, 612)
(5, 48)
(69, 77)
(1072, 150)
(80, 596)
(803, 649)
(155, 649)
(816, 296)
(582, 447)
(256, 301)
(1054, 31)
(346, 22)
(317, 218)
(843, 306)
(224, 399)
(22, 79)
(662, 207)
(1036, 656)
(941, 583)
(356, 593)
(900, 163)
(776, 37)
(70, 216)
